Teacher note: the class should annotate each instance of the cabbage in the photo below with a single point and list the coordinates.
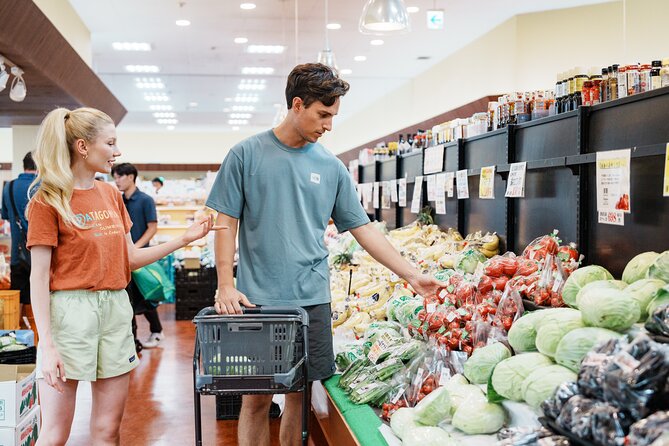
(612, 309)
(643, 291)
(508, 376)
(456, 380)
(541, 384)
(459, 394)
(637, 268)
(402, 421)
(468, 260)
(479, 417)
(661, 298)
(599, 284)
(660, 268)
(574, 345)
(579, 279)
(524, 331)
(478, 367)
(434, 408)
(552, 330)
(427, 436)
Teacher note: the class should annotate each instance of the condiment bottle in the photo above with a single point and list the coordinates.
(632, 79)
(586, 92)
(664, 72)
(612, 87)
(622, 81)
(655, 78)
(604, 87)
(644, 78)
(595, 91)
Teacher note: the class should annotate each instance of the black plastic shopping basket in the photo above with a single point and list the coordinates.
(257, 352)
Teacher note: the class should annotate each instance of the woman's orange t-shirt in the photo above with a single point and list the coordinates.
(95, 258)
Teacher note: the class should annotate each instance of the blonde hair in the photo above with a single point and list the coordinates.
(55, 153)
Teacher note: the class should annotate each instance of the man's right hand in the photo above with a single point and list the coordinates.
(229, 300)
(53, 368)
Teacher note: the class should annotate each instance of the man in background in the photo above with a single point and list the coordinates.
(14, 201)
(142, 211)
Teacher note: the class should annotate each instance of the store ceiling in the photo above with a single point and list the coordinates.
(201, 64)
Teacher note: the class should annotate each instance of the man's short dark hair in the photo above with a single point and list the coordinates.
(125, 169)
(313, 82)
(158, 180)
(28, 162)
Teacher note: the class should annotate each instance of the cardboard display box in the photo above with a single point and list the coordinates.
(25, 434)
(18, 393)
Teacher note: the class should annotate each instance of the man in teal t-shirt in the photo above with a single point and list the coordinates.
(279, 189)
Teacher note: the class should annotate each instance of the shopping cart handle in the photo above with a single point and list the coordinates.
(279, 310)
(207, 311)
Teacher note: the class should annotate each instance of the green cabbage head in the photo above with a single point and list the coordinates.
(541, 384)
(577, 343)
(523, 332)
(612, 309)
(643, 291)
(402, 421)
(660, 268)
(637, 268)
(552, 330)
(479, 366)
(580, 278)
(479, 417)
(661, 298)
(599, 284)
(427, 436)
(508, 376)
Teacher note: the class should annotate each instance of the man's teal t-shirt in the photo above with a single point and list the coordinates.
(284, 198)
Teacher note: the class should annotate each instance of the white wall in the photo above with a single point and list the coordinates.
(24, 138)
(6, 145)
(68, 23)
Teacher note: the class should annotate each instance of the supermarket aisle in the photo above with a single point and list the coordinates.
(160, 407)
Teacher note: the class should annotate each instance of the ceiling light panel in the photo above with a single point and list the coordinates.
(265, 49)
(142, 68)
(345, 71)
(131, 46)
(156, 97)
(249, 98)
(160, 107)
(238, 121)
(164, 115)
(412, 9)
(149, 83)
(333, 26)
(167, 121)
(247, 6)
(241, 40)
(360, 58)
(183, 22)
(240, 115)
(252, 84)
(243, 108)
(257, 70)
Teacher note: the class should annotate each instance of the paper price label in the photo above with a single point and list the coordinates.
(375, 197)
(398, 394)
(450, 179)
(418, 379)
(380, 346)
(432, 188)
(385, 195)
(626, 362)
(444, 376)
(613, 181)
(557, 283)
(487, 183)
(515, 186)
(665, 189)
(431, 307)
(462, 184)
(402, 192)
(612, 218)
(393, 191)
(433, 160)
(417, 195)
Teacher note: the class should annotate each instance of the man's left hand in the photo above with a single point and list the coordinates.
(426, 285)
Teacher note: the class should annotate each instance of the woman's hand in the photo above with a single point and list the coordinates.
(53, 368)
(425, 285)
(228, 300)
(200, 229)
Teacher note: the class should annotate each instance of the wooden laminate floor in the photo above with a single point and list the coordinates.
(160, 406)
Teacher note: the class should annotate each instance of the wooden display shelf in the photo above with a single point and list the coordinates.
(327, 422)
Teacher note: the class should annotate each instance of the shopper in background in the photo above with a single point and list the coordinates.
(14, 201)
(142, 211)
(158, 183)
(279, 188)
(82, 255)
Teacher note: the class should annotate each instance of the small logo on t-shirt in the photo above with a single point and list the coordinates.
(315, 178)
(132, 358)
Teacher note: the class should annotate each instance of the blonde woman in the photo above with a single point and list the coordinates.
(82, 255)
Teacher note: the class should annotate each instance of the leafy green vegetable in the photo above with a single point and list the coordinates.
(660, 268)
(597, 285)
(637, 268)
(523, 332)
(612, 309)
(643, 291)
(508, 376)
(580, 278)
(541, 384)
(574, 345)
(661, 298)
(427, 436)
(479, 417)
(552, 330)
(480, 365)
(402, 421)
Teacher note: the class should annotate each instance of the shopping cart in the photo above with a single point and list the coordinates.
(257, 352)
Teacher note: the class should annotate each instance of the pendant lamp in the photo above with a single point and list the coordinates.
(326, 56)
(384, 17)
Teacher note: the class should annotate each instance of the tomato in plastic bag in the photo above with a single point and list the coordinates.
(542, 246)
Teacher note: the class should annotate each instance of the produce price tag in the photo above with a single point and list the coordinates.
(515, 186)
(451, 317)
(441, 191)
(444, 376)
(402, 193)
(431, 307)
(375, 197)
(417, 194)
(613, 181)
(433, 160)
(612, 218)
(487, 183)
(385, 195)
(450, 178)
(358, 190)
(666, 173)
(418, 379)
(353, 170)
(463, 184)
(393, 191)
(366, 194)
(626, 362)
(380, 346)
(594, 359)
(431, 188)
(398, 394)
(558, 282)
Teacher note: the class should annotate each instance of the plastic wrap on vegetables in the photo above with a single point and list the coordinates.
(553, 406)
(658, 322)
(575, 416)
(594, 368)
(527, 436)
(637, 378)
(610, 425)
(645, 432)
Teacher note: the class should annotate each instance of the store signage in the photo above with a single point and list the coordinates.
(417, 194)
(432, 188)
(515, 186)
(435, 19)
(433, 160)
(402, 192)
(385, 195)
(612, 218)
(487, 183)
(450, 179)
(441, 193)
(366, 194)
(353, 170)
(462, 184)
(666, 173)
(613, 181)
(393, 191)
(375, 197)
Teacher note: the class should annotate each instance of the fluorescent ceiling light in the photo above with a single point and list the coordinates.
(131, 46)
(170, 127)
(235, 128)
(238, 121)
(192, 104)
(241, 40)
(360, 58)
(156, 97)
(257, 70)
(333, 26)
(167, 121)
(345, 71)
(376, 42)
(182, 22)
(228, 99)
(252, 84)
(265, 49)
(160, 107)
(142, 68)
(412, 9)
(384, 17)
(240, 115)
(149, 83)
(248, 6)
(243, 108)
(246, 98)
(164, 115)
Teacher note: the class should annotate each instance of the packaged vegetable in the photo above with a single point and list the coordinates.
(434, 408)
(594, 368)
(660, 268)
(637, 268)
(575, 416)
(540, 385)
(658, 322)
(643, 291)
(349, 354)
(577, 343)
(645, 432)
(612, 309)
(480, 365)
(610, 425)
(508, 376)
(427, 436)
(468, 260)
(479, 417)
(542, 246)
(402, 421)
(581, 277)
(553, 406)
(523, 332)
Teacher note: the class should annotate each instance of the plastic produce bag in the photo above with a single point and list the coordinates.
(658, 322)
(645, 432)
(575, 416)
(553, 406)
(594, 368)
(524, 436)
(610, 425)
